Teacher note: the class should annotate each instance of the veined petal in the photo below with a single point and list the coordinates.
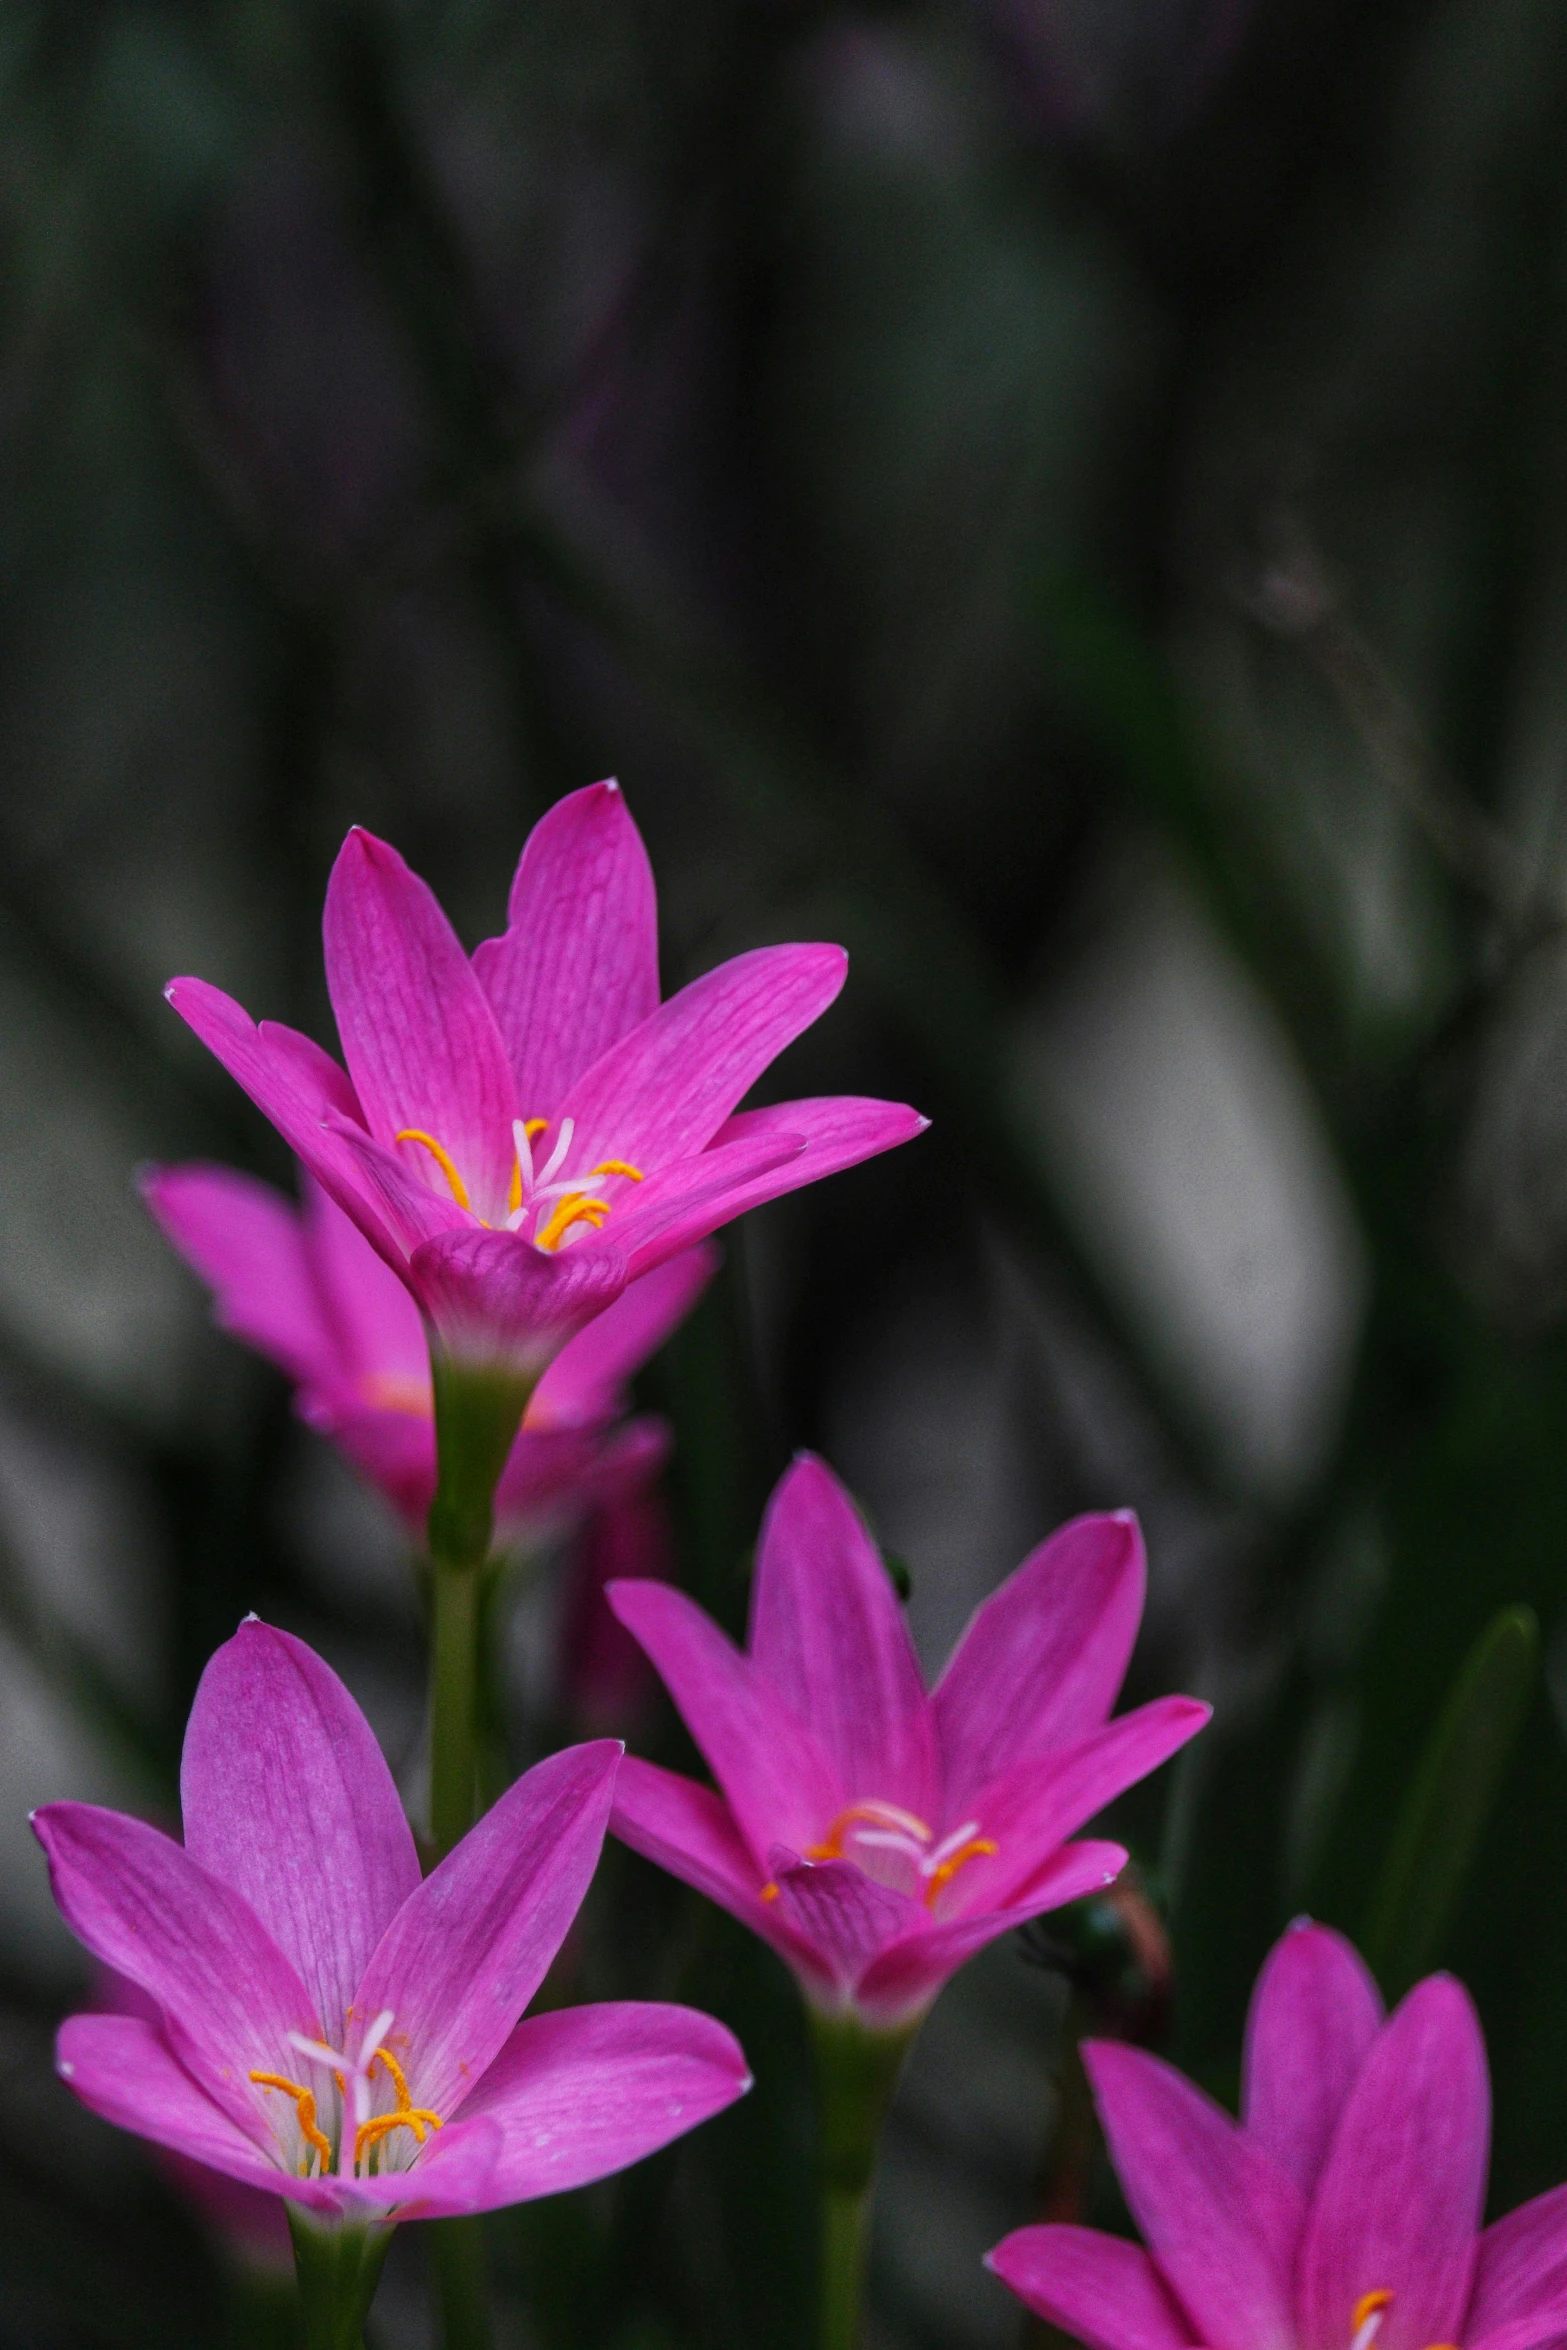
(1522, 2267)
(1101, 2290)
(492, 1296)
(839, 1130)
(845, 1916)
(1219, 2216)
(829, 1639)
(778, 1783)
(379, 1333)
(1544, 2328)
(662, 1092)
(577, 965)
(1042, 1659)
(122, 2068)
(690, 1831)
(1397, 2207)
(1314, 2015)
(470, 1946)
(582, 2092)
(690, 1198)
(418, 1034)
(587, 1379)
(905, 1977)
(228, 1995)
(287, 1798)
(247, 1243)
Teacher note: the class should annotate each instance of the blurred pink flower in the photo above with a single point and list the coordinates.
(1342, 2211)
(606, 1682)
(521, 1135)
(305, 1288)
(330, 2028)
(874, 1835)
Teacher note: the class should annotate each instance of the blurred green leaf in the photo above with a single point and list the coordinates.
(1450, 1799)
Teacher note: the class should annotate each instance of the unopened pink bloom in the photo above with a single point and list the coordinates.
(523, 1134)
(332, 2029)
(1341, 2212)
(305, 1288)
(875, 1835)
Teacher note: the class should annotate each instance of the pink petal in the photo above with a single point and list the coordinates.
(689, 1198)
(287, 1798)
(662, 1092)
(228, 1995)
(839, 1130)
(1397, 2208)
(1028, 1812)
(587, 1379)
(580, 2094)
(1218, 2215)
(122, 2068)
(492, 1296)
(1522, 2267)
(1314, 2015)
(404, 1211)
(689, 1831)
(1042, 1659)
(420, 1040)
(844, 1915)
(552, 1473)
(1103, 2291)
(906, 1976)
(470, 1946)
(776, 1779)
(379, 1332)
(246, 1242)
(830, 1640)
(1543, 2329)
(577, 966)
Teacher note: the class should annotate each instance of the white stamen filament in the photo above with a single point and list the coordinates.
(932, 1860)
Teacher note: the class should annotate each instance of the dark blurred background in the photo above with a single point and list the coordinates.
(1066, 496)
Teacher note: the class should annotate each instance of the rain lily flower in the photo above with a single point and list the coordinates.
(330, 2028)
(1341, 2213)
(522, 1134)
(875, 1835)
(305, 1288)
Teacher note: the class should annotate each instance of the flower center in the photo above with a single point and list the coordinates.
(358, 2133)
(897, 1848)
(1366, 2322)
(558, 1204)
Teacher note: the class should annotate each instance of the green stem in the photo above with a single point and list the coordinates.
(338, 2267)
(457, 2257)
(454, 1699)
(856, 2072)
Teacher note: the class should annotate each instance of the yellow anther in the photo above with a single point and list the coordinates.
(514, 1192)
(1367, 2306)
(869, 1815)
(769, 1892)
(949, 1868)
(533, 1126)
(305, 2102)
(443, 1159)
(619, 1167)
(417, 2118)
(573, 1209)
(395, 2074)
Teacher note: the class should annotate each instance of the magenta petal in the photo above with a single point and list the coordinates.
(777, 1781)
(662, 1092)
(379, 1332)
(845, 1915)
(1544, 2328)
(839, 1130)
(1219, 2216)
(1397, 2208)
(688, 1830)
(287, 1798)
(470, 1946)
(587, 1379)
(228, 1995)
(121, 2067)
(1522, 2267)
(1314, 2015)
(828, 1637)
(247, 1243)
(689, 1198)
(905, 1977)
(581, 2093)
(577, 966)
(1042, 1659)
(492, 1296)
(1103, 2291)
(420, 1040)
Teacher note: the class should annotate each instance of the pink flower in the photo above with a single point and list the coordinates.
(606, 1682)
(1342, 2211)
(874, 1835)
(521, 1135)
(332, 2029)
(305, 1288)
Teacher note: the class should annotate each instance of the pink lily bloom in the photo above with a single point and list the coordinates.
(521, 1135)
(875, 1835)
(331, 2028)
(1342, 2211)
(305, 1288)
